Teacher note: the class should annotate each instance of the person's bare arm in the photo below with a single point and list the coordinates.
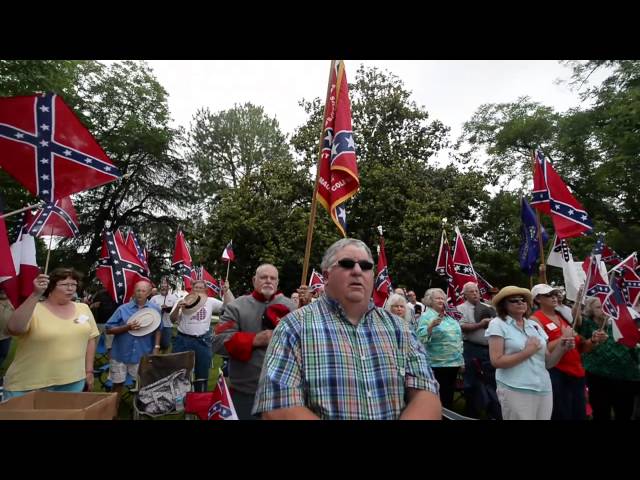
(88, 362)
(423, 405)
(294, 413)
(500, 360)
(19, 322)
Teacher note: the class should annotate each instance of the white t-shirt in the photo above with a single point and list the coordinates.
(199, 323)
(170, 300)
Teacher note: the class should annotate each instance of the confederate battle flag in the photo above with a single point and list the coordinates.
(338, 171)
(59, 219)
(182, 261)
(119, 269)
(46, 148)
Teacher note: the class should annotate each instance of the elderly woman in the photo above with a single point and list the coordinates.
(518, 350)
(397, 304)
(55, 338)
(442, 338)
(568, 376)
(613, 373)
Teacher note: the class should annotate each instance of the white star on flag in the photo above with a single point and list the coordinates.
(44, 127)
(44, 143)
(44, 109)
(350, 142)
(44, 161)
(570, 212)
(87, 160)
(44, 177)
(19, 135)
(67, 153)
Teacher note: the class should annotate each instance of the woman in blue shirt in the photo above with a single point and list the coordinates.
(518, 350)
(442, 337)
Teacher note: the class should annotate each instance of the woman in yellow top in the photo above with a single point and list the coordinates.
(56, 338)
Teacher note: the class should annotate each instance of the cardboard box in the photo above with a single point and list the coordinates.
(43, 405)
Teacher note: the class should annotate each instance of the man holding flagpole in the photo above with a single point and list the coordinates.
(342, 357)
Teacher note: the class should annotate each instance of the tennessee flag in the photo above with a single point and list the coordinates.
(338, 171)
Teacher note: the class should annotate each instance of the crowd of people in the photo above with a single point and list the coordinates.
(330, 353)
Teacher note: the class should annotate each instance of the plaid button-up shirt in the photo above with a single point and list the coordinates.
(319, 360)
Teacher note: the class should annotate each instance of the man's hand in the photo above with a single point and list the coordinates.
(304, 295)
(262, 338)
(135, 325)
(484, 323)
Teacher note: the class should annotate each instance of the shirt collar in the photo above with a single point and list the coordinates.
(335, 307)
(133, 304)
(261, 298)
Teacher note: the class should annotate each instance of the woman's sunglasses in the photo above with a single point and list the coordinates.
(516, 300)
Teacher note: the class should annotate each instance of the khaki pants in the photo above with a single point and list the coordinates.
(524, 406)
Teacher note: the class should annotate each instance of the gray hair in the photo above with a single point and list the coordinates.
(393, 300)
(193, 283)
(428, 296)
(330, 255)
(265, 265)
(468, 285)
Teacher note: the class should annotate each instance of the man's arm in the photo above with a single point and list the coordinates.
(294, 413)
(230, 341)
(423, 405)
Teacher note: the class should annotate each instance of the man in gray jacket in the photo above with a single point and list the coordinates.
(244, 332)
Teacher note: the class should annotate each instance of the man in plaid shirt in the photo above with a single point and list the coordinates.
(343, 358)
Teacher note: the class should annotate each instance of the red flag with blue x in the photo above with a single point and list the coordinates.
(46, 148)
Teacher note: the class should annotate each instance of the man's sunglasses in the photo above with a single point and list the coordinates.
(348, 263)
(516, 300)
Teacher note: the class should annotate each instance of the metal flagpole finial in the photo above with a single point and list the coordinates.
(380, 229)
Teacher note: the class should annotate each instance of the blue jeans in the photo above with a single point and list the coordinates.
(69, 387)
(165, 340)
(202, 348)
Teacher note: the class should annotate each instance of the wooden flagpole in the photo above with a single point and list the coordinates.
(314, 201)
(20, 210)
(46, 265)
(543, 267)
(226, 280)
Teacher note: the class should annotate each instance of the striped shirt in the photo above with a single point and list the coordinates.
(340, 371)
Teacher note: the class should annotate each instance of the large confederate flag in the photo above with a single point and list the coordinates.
(48, 150)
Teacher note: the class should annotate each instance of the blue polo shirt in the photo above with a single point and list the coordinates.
(128, 348)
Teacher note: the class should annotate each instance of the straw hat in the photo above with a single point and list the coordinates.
(193, 302)
(149, 319)
(510, 291)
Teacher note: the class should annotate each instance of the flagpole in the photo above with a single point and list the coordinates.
(46, 265)
(543, 268)
(314, 200)
(20, 210)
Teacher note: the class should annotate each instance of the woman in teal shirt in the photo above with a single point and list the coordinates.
(442, 337)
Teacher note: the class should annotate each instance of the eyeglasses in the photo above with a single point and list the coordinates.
(548, 295)
(516, 300)
(348, 264)
(67, 285)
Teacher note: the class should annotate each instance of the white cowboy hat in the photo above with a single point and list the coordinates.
(149, 319)
(193, 302)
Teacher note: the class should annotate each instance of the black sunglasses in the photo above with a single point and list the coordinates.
(348, 263)
(516, 300)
